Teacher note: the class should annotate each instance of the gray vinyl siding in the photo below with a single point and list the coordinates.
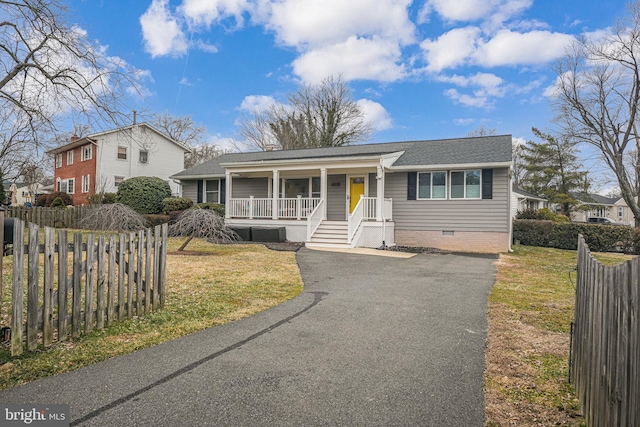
(454, 215)
(190, 190)
(373, 185)
(336, 197)
(246, 187)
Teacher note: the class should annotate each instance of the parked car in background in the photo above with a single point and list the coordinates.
(603, 221)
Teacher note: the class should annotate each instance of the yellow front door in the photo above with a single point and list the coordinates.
(356, 189)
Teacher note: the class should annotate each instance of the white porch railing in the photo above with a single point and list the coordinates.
(298, 208)
(355, 219)
(370, 208)
(256, 208)
(315, 219)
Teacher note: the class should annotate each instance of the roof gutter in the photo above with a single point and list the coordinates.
(451, 165)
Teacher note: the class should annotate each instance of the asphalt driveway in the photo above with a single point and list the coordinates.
(371, 341)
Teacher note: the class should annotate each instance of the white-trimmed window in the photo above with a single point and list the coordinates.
(144, 156)
(59, 160)
(118, 180)
(86, 181)
(620, 211)
(303, 187)
(70, 157)
(212, 191)
(66, 185)
(466, 184)
(87, 152)
(432, 185)
(122, 153)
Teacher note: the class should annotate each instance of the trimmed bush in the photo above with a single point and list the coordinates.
(172, 204)
(46, 200)
(109, 198)
(541, 214)
(153, 219)
(144, 194)
(58, 203)
(217, 207)
(600, 238)
(102, 199)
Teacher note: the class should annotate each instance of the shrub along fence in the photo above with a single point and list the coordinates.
(600, 238)
(91, 283)
(605, 362)
(49, 217)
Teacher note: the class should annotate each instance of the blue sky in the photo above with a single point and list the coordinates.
(420, 70)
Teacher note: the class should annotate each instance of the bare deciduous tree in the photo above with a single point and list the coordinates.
(597, 98)
(323, 115)
(204, 223)
(112, 217)
(51, 70)
(185, 131)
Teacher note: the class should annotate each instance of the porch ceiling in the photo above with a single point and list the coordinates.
(305, 173)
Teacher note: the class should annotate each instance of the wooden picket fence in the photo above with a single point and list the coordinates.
(92, 282)
(605, 361)
(68, 217)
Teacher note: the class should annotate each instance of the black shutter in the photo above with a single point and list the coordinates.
(200, 190)
(412, 178)
(487, 183)
(223, 191)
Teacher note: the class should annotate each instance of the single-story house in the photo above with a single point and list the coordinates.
(521, 200)
(599, 206)
(451, 194)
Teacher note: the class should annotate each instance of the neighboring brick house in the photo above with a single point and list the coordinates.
(98, 163)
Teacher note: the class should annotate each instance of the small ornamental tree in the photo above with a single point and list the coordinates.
(144, 194)
(203, 223)
(112, 217)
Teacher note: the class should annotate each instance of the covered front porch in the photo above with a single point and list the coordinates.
(323, 206)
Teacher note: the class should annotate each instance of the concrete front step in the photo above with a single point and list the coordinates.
(312, 245)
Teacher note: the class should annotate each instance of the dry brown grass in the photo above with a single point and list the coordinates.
(530, 312)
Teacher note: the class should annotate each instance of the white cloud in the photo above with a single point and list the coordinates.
(303, 23)
(161, 32)
(256, 103)
(493, 11)
(450, 49)
(225, 143)
(518, 141)
(513, 48)
(467, 100)
(206, 12)
(375, 114)
(464, 122)
(356, 58)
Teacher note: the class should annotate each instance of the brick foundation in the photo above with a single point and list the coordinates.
(460, 241)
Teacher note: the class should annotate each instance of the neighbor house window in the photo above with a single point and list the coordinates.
(59, 160)
(620, 211)
(122, 153)
(66, 185)
(118, 180)
(71, 183)
(432, 185)
(212, 191)
(86, 180)
(465, 185)
(602, 212)
(87, 152)
(70, 157)
(144, 156)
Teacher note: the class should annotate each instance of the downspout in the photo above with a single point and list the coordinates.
(384, 219)
(510, 217)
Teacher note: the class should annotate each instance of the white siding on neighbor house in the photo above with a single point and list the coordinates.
(164, 158)
(242, 188)
(450, 215)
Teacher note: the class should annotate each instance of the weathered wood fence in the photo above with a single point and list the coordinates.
(605, 362)
(91, 283)
(49, 217)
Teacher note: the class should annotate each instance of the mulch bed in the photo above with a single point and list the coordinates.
(416, 250)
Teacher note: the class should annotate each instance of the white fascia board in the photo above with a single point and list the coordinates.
(388, 160)
(191, 177)
(454, 166)
(303, 164)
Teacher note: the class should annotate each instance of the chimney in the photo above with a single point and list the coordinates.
(270, 147)
(135, 116)
(74, 138)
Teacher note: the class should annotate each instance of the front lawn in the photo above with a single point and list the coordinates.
(220, 284)
(530, 313)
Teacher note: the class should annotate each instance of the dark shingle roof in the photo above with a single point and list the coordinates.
(489, 149)
(595, 198)
(520, 191)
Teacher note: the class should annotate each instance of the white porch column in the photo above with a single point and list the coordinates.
(227, 192)
(323, 191)
(275, 194)
(379, 193)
